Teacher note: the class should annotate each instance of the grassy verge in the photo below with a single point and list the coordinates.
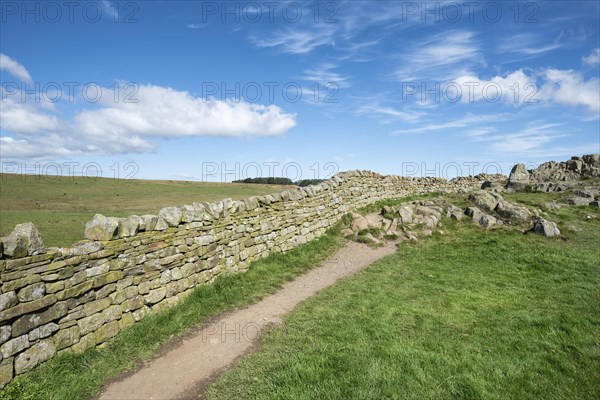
(74, 377)
(60, 206)
(470, 314)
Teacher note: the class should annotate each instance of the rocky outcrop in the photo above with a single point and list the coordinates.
(555, 176)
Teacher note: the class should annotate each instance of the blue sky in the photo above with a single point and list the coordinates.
(219, 90)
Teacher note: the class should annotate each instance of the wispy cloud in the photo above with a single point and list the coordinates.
(387, 114)
(534, 136)
(464, 122)
(14, 68)
(109, 9)
(194, 26)
(593, 58)
(298, 40)
(527, 44)
(441, 56)
(324, 74)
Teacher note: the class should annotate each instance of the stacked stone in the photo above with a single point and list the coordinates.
(58, 300)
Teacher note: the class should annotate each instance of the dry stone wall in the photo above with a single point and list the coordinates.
(69, 299)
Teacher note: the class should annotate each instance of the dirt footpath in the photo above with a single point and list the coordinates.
(184, 370)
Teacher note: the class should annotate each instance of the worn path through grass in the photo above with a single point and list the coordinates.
(188, 367)
(468, 314)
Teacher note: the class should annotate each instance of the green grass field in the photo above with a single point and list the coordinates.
(61, 206)
(470, 314)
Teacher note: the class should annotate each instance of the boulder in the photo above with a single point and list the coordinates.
(487, 185)
(480, 217)
(359, 222)
(544, 227)
(519, 177)
(455, 212)
(485, 200)
(579, 201)
(101, 228)
(24, 240)
(406, 215)
(515, 214)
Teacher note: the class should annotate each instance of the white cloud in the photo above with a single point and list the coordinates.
(25, 118)
(14, 68)
(570, 88)
(593, 58)
(166, 112)
(515, 87)
(124, 127)
(550, 85)
(193, 26)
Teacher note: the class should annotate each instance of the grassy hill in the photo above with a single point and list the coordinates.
(60, 206)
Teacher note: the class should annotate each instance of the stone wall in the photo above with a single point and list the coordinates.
(69, 299)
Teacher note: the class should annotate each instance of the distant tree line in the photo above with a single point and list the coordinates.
(280, 181)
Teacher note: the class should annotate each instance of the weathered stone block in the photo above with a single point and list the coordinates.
(24, 240)
(37, 354)
(107, 331)
(101, 228)
(27, 308)
(112, 313)
(96, 306)
(53, 287)
(14, 346)
(168, 217)
(133, 304)
(8, 300)
(5, 333)
(130, 226)
(84, 343)
(31, 321)
(6, 371)
(76, 290)
(155, 295)
(43, 331)
(126, 321)
(91, 323)
(32, 292)
(104, 291)
(141, 313)
(66, 337)
(105, 279)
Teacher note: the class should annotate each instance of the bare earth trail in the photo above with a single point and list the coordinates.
(184, 371)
